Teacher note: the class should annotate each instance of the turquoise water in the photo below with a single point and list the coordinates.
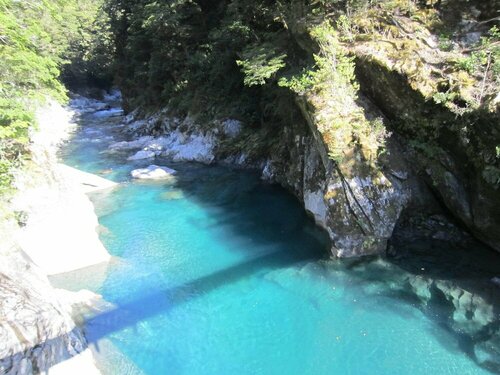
(219, 273)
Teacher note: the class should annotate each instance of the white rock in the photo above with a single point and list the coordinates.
(156, 144)
(60, 235)
(139, 155)
(153, 172)
(37, 334)
(135, 144)
(83, 363)
(112, 112)
(113, 95)
(197, 148)
(231, 128)
(314, 203)
(268, 171)
(87, 182)
(194, 147)
(86, 105)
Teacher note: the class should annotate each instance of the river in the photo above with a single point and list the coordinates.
(219, 273)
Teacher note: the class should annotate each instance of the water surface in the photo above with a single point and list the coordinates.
(220, 273)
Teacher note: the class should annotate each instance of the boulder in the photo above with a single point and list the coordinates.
(139, 155)
(130, 145)
(153, 172)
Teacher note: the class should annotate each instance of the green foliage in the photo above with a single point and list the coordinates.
(36, 38)
(474, 62)
(331, 87)
(298, 83)
(444, 97)
(487, 55)
(333, 66)
(346, 28)
(445, 43)
(211, 60)
(88, 46)
(28, 70)
(259, 63)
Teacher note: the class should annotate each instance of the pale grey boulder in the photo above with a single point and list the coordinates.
(153, 172)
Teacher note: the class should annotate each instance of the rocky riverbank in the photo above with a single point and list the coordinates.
(361, 210)
(52, 230)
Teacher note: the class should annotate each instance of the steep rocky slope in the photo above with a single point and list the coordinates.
(37, 327)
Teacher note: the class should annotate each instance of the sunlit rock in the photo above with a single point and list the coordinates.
(61, 218)
(139, 155)
(194, 147)
(109, 112)
(126, 146)
(314, 203)
(153, 172)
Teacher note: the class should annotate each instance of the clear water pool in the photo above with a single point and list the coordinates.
(219, 273)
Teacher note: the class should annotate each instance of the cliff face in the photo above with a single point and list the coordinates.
(36, 329)
(53, 230)
(455, 164)
(440, 117)
(58, 214)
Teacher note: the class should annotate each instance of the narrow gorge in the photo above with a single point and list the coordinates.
(303, 187)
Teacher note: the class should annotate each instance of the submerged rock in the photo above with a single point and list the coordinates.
(172, 195)
(153, 172)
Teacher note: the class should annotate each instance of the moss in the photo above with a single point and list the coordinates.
(331, 93)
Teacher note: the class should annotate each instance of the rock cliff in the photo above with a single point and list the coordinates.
(53, 230)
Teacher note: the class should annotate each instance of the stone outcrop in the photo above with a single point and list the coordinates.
(38, 333)
(55, 232)
(60, 216)
(36, 330)
(444, 117)
(393, 128)
(179, 141)
(454, 171)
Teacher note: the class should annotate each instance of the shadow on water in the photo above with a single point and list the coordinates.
(450, 283)
(264, 214)
(247, 208)
(129, 314)
(450, 269)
